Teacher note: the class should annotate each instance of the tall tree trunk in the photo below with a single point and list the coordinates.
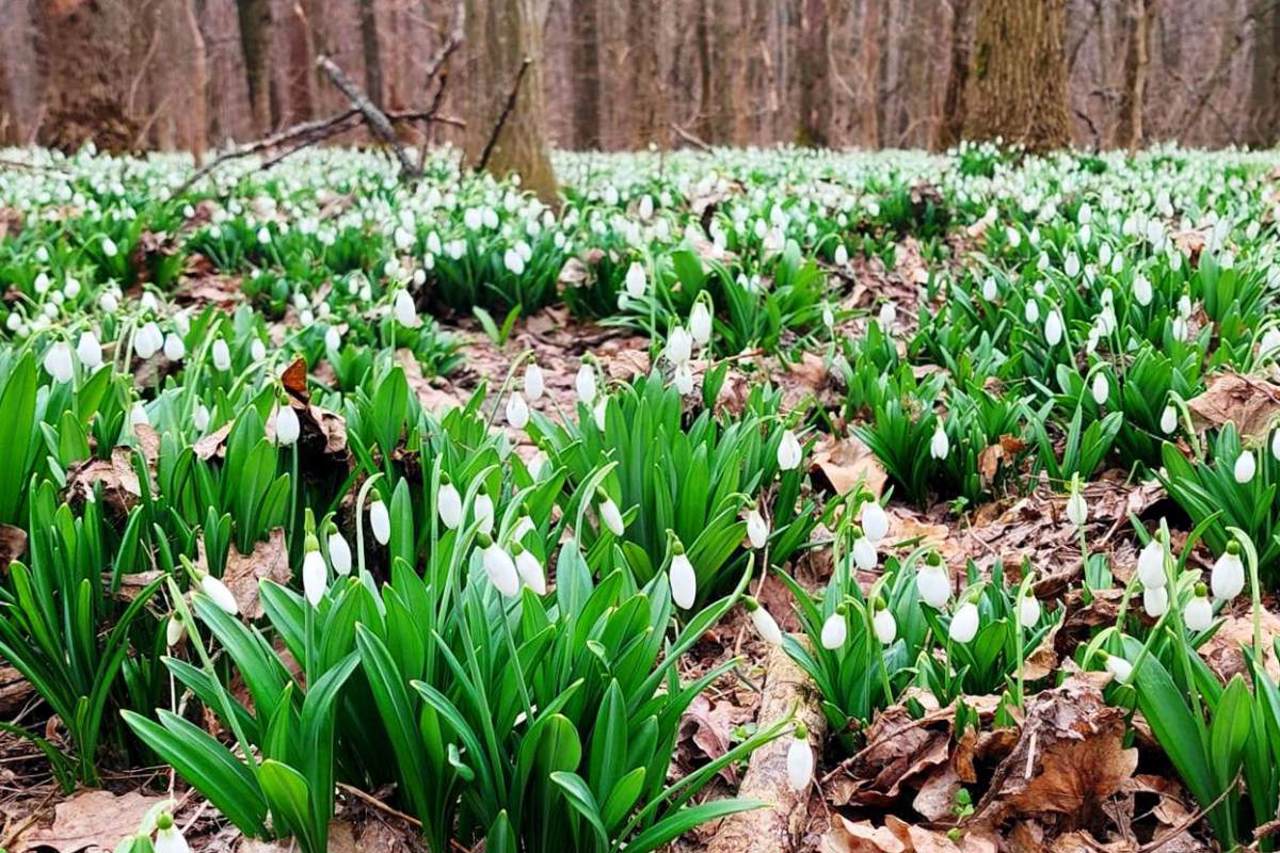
(302, 64)
(198, 123)
(1264, 85)
(585, 52)
(648, 99)
(500, 36)
(705, 10)
(255, 44)
(1138, 17)
(1017, 88)
(372, 51)
(815, 75)
(958, 76)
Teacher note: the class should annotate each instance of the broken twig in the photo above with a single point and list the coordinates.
(377, 120)
(510, 105)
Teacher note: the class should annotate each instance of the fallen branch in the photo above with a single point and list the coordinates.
(689, 137)
(776, 828)
(377, 120)
(510, 105)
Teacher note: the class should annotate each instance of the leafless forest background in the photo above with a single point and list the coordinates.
(623, 74)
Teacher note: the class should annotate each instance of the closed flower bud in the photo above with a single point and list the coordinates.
(585, 384)
(932, 582)
(219, 594)
(682, 379)
(148, 340)
(864, 554)
(1275, 445)
(174, 630)
(58, 361)
(200, 417)
(380, 521)
(757, 529)
(842, 255)
(483, 510)
(339, 552)
(1053, 328)
(1100, 389)
(1155, 601)
(517, 411)
(534, 384)
(1028, 610)
(835, 630)
(886, 627)
(89, 351)
(449, 504)
(679, 346)
(611, 516)
(766, 626)
(315, 576)
(700, 323)
(1168, 420)
(169, 838)
(1227, 578)
(138, 415)
(635, 280)
(1151, 564)
(406, 313)
(530, 570)
(287, 426)
(684, 582)
(799, 761)
(1031, 312)
(221, 355)
(875, 522)
(1246, 466)
(1119, 668)
(1198, 614)
(500, 568)
(174, 348)
(1142, 290)
(964, 624)
(789, 451)
(939, 445)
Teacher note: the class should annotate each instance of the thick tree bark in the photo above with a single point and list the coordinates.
(500, 36)
(1264, 90)
(198, 109)
(585, 52)
(649, 115)
(1138, 17)
(958, 76)
(372, 51)
(1017, 87)
(255, 44)
(815, 75)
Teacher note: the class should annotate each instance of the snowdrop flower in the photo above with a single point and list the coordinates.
(1028, 610)
(138, 415)
(766, 626)
(1198, 614)
(835, 630)
(339, 551)
(684, 582)
(1072, 265)
(1155, 601)
(483, 511)
(1077, 508)
(1031, 312)
(599, 411)
(1053, 328)
(964, 623)
(679, 345)
(875, 523)
(1246, 466)
(530, 570)
(634, 282)
(757, 529)
(406, 313)
(888, 316)
(1151, 563)
(1168, 420)
(257, 350)
(842, 255)
(534, 383)
(885, 626)
(287, 426)
(380, 521)
(990, 289)
(1275, 445)
(449, 504)
(499, 566)
(1142, 290)
(513, 261)
(611, 515)
(864, 554)
(700, 321)
(939, 445)
(933, 583)
(472, 218)
(1119, 668)
(585, 384)
(89, 351)
(264, 235)
(174, 630)
(58, 362)
(221, 355)
(200, 417)
(109, 247)
(1014, 237)
(517, 411)
(315, 574)
(1270, 344)
(169, 838)
(799, 760)
(148, 341)
(1100, 389)
(219, 594)
(682, 379)
(1227, 578)
(789, 451)
(174, 348)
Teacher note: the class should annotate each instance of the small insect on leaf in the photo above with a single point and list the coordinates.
(294, 380)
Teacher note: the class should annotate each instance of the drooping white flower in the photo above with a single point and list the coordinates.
(1077, 508)
(138, 415)
(483, 510)
(1072, 265)
(1142, 292)
(1119, 668)
(109, 247)
(964, 623)
(1100, 389)
(499, 566)
(1198, 614)
(874, 520)
(1053, 328)
(799, 761)
(58, 361)
(700, 322)
(888, 315)
(1031, 311)
(789, 451)
(841, 255)
(585, 384)
(766, 626)
(517, 411)
(612, 517)
(679, 345)
(380, 521)
(200, 417)
(1275, 445)
(1151, 564)
(933, 583)
(684, 582)
(864, 554)
(287, 426)
(534, 383)
(990, 288)
(531, 571)
(682, 379)
(1155, 601)
(89, 351)
(939, 445)
(174, 630)
(169, 838)
(513, 261)
(174, 348)
(1245, 467)
(219, 594)
(339, 552)
(635, 280)
(599, 411)
(1168, 420)
(1028, 610)
(315, 576)
(835, 630)
(1227, 578)
(221, 355)
(449, 504)
(757, 529)
(886, 627)
(406, 313)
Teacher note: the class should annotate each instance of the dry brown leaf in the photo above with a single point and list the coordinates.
(268, 561)
(13, 544)
(1250, 403)
(846, 836)
(90, 820)
(15, 690)
(1224, 651)
(116, 475)
(846, 464)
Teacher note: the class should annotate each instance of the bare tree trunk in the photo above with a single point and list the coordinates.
(815, 75)
(1264, 85)
(1017, 88)
(706, 103)
(198, 131)
(648, 99)
(372, 51)
(958, 77)
(302, 62)
(255, 44)
(1138, 17)
(500, 36)
(585, 50)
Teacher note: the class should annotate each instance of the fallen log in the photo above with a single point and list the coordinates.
(377, 120)
(776, 828)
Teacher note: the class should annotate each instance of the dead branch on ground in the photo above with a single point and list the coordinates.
(375, 118)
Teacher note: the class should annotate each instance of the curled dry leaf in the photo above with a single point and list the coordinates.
(268, 561)
(115, 475)
(92, 820)
(845, 464)
(1224, 651)
(13, 544)
(1252, 404)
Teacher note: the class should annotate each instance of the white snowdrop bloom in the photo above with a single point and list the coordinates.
(1245, 467)
(939, 445)
(1028, 610)
(599, 412)
(1275, 445)
(531, 571)
(1198, 614)
(635, 282)
(174, 348)
(174, 630)
(835, 630)
(221, 355)
(58, 361)
(864, 554)
(842, 255)
(766, 626)
(1227, 578)
(684, 582)
(885, 626)
(1077, 507)
(1104, 254)
(990, 289)
(219, 594)
(13, 322)
(682, 379)
(1072, 265)
(1053, 328)
(1155, 601)
(169, 838)
(333, 338)
(645, 207)
(789, 451)
(1270, 343)
(449, 504)
(612, 517)
(700, 323)
(138, 415)
(828, 316)
(1180, 328)
(517, 411)
(264, 235)
(200, 417)
(1042, 262)
(874, 520)
(523, 527)
(499, 567)
(679, 345)
(757, 529)
(380, 521)
(1168, 420)
(933, 583)
(534, 382)
(585, 384)
(964, 623)
(1142, 290)
(257, 349)
(1031, 312)
(1151, 564)
(109, 247)
(1119, 668)
(41, 283)
(315, 577)
(799, 762)
(148, 340)
(287, 426)
(1014, 236)
(888, 315)
(42, 255)
(406, 313)
(71, 287)
(482, 510)
(1100, 389)
(513, 261)
(472, 218)
(339, 552)
(1184, 305)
